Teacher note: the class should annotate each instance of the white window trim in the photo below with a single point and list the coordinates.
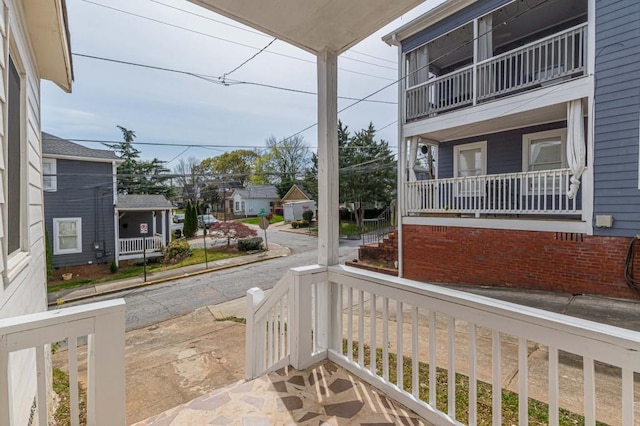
(474, 145)
(54, 172)
(529, 137)
(56, 242)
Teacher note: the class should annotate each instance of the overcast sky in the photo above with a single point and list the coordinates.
(176, 108)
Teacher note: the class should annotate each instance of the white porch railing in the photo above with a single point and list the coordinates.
(104, 324)
(561, 55)
(135, 245)
(440, 94)
(365, 322)
(542, 192)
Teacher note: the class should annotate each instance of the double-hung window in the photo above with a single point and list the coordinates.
(15, 190)
(469, 160)
(49, 179)
(545, 151)
(67, 235)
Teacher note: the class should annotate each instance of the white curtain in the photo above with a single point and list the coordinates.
(485, 37)
(413, 158)
(576, 149)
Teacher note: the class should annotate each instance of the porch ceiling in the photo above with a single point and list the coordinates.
(315, 25)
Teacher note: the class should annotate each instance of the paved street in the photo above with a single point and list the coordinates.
(149, 305)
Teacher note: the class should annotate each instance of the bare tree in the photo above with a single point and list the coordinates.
(189, 177)
(288, 158)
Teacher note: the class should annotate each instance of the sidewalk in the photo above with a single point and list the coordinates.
(84, 292)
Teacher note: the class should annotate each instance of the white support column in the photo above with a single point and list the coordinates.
(116, 227)
(163, 216)
(402, 148)
(328, 178)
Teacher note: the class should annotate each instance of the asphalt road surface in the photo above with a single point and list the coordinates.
(149, 305)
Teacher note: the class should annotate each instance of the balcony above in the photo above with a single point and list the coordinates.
(548, 61)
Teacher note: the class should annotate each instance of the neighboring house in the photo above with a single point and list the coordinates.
(80, 187)
(517, 169)
(254, 199)
(143, 225)
(296, 193)
(34, 44)
(295, 202)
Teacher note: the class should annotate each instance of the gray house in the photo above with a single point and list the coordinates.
(87, 221)
(518, 155)
(79, 194)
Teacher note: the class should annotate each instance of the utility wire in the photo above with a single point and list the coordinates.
(247, 61)
(222, 38)
(216, 80)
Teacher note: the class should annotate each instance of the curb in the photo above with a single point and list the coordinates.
(162, 280)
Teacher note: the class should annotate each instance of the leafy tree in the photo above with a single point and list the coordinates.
(284, 186)
(367, 169)
(210, 194)
(234, 165)
(139, 177)
(232, 231)
(190, 226)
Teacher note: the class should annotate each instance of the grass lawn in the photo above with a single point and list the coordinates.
(256, 220)
(196, 258)
(349, 228)
(538, 411)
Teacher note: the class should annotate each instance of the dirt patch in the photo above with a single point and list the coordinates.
(80, 272)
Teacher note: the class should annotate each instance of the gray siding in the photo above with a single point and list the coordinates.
(504, 150)
(85, 190)
(452, 22)
(617, 115)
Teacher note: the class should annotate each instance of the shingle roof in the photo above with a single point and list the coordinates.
(54, 145)
(142, 201)
(258, 191)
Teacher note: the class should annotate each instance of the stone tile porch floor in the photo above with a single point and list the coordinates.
(323, 394)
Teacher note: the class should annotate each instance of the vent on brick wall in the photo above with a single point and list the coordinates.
(439, 228)
(569, 236)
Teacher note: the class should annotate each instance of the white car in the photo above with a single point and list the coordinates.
(206, 220)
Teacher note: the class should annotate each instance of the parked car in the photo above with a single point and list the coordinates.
(206, 220)
(178, 218)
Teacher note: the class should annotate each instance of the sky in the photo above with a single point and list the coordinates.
(173, 108)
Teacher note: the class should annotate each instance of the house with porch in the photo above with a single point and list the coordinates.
(446, 355)
(518, 144)
(143, 225)
(253, 199)
(80, 188)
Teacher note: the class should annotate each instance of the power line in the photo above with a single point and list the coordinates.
(247, 61)
(222, 38)
(216, 80)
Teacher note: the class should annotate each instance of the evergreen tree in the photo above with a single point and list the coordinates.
(190, 226)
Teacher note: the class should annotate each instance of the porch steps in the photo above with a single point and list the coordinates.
(321, 394)
(385, 252)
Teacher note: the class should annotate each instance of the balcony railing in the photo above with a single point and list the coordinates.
(103, 323)
(559, 56)
(538, 193)
(136, 245)
(365, 321)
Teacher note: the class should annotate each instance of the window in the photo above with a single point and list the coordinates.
(49, 179)
(15, 195)
(237, 206)
(470, 159)
(544, 150)
(67, 235)
(417, 66)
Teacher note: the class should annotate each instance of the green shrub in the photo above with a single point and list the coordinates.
(190, 225)
(113, 267)
(49, 257)
(307, 215)
(176, 250)
(250, 244)
(303, 224)
(295, 224)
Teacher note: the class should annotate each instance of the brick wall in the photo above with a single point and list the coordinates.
(573, 263)
(385, 252)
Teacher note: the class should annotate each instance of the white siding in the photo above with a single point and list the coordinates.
(23, 289)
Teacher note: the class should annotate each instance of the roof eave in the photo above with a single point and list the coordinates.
(49, 31)
(425, 20)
